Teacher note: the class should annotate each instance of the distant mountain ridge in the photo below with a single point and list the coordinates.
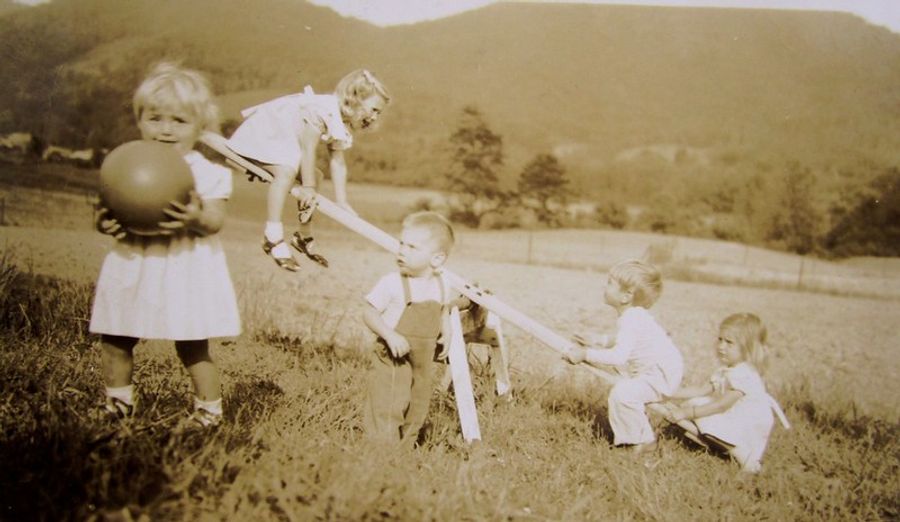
(584, 81)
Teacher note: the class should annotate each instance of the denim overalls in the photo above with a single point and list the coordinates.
(400, 388)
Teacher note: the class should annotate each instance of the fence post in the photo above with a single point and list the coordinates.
(530, 242)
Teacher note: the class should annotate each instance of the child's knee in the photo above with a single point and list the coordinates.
(282, 174)
(117, 345)
(193, 352)
(626, 391)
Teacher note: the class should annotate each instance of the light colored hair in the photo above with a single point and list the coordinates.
(355, 87)
(751, 335)
(641, 278)
(440, 230)
(170, 85)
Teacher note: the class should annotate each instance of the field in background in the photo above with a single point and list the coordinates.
(295, 378)
(555, 276)
(683, 258)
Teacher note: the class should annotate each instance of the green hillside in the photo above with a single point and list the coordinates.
(591, 80)
(636, 102)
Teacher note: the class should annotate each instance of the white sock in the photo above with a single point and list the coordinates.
(274, 231)
(124, 394)
(281, 251)
(214, 407)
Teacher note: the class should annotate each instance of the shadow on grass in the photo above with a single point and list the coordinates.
(61, 458)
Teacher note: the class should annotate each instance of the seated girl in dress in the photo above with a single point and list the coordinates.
(733, 409)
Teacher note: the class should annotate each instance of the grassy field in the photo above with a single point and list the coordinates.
(294, 380)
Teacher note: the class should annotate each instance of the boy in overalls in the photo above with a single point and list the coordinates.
(406, 312)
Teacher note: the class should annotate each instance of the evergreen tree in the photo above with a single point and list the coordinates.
(544, 181)
(473, 177)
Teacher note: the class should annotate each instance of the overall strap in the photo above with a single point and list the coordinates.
(407, 294)
(443, 288)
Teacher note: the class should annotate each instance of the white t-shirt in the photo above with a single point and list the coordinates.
(643, 348)
(387, 294)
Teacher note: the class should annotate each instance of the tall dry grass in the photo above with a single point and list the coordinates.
(292, 449)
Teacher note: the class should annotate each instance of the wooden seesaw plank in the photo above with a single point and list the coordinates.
(479, 295)
(219, 143)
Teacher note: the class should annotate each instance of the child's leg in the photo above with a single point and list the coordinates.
(387, 398)
(283, 178)
(303, 239)
(117, 359)
(205, 376)
(627, 412)
(421, 357)
(282, 181)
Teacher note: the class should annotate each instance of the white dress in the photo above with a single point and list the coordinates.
(748, 423)
(271, 131)
(176, 288)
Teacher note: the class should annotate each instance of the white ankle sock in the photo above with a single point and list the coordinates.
(124, 394)
(281, 250)
(214, 407)
(274, 231)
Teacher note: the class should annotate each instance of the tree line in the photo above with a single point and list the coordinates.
(784, 206)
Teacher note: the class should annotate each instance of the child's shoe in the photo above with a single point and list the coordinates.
(113, 410)
(205, 418)
(305, 212)
(305, 245)
(200, 419)
(286, 263)
(119, 408)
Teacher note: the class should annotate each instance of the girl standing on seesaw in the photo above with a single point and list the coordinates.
(282, 136)
(733, 408)
(652, 364)
(174, 285)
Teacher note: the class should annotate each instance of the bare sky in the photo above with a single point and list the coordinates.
(885, 13)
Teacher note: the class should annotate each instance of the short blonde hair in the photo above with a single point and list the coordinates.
(641, 278)
(440, 230)
(751, 336)
(355, 87)
(169, 84)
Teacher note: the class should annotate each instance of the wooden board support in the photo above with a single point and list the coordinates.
(499, 355)
(462, 381)
(391, 244)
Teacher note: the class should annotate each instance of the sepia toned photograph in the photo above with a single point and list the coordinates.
(445, 260)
